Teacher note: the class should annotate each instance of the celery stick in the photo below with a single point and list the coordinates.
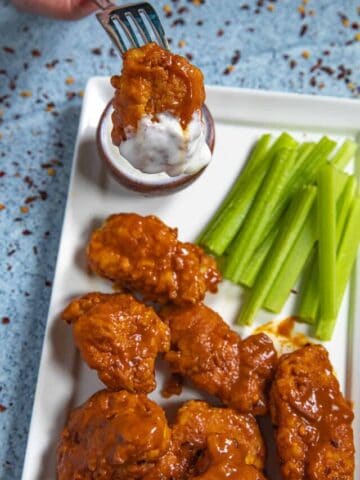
(304, 172)
(245, 243)
(257, 155)
(345, 153)
(345, 260)
(299, 254)
(293, 222)
(343, 206)
(293, 265)
(327, 248)
(229, 217)
(309, 303)
(250, 273)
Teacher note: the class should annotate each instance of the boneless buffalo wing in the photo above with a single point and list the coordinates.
(198, 432)
(153, 81)
(114, 435)
(206, 350)
(143, 255)
(119, 337)
(313, 420)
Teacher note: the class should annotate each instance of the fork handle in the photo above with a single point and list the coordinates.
(103, 4)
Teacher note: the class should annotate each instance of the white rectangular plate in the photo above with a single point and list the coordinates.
(241, 116)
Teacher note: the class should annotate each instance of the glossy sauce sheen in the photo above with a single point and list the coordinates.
(226, 459)
(144, 255)
(113, 435)
(154, 80)
(206, 350)
(119, 337)
(313, 420)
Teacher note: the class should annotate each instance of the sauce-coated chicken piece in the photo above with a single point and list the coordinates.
(119, 337)
(313, 420)
(224, 460)
(206, 350)
(195, 424)
(143, 255)
(115, 435)
(153, 81)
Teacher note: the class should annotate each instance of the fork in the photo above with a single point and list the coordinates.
(132, 19)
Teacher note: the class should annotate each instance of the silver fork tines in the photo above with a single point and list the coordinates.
(127, 17)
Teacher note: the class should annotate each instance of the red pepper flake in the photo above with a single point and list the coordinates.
(29, 181)
(36, 53)
(189, 56)
(8, 49)
(2, 173)
(178, 21)
(69, 80)
(70, 95)
(26, 93)
(2, 408)
(228, 70)
(24, 209)
(313, 81)
(344, 20)
(31, 199)
(303, 30)
(328, 70)
(12, 83)
(2, 206)
(52, 64)
(182, 10)
(317, 65)
(236, 57)
(51, 172)
(50, 107)
(43, 195)
(220, 32)
(181, 43)
(26, 232)
(96, 51)
(5, 320)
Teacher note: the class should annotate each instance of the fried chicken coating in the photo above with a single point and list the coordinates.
(313, 420)
(195, 424)
(143, 255)
(206, 350)
(153, 81)
(113, 435)
(119, 337)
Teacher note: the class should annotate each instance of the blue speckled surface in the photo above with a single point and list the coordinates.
(44, 66)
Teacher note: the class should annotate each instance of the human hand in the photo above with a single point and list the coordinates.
(61, 9)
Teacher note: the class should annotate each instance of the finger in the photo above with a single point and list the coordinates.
(62, 9)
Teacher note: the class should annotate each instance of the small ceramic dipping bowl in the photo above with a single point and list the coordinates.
(133, 179)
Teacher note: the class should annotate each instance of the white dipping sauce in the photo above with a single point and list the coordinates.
(164, 146)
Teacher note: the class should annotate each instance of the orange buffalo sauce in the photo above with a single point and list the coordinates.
(153, 81)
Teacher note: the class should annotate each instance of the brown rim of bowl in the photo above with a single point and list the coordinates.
(176, 184)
